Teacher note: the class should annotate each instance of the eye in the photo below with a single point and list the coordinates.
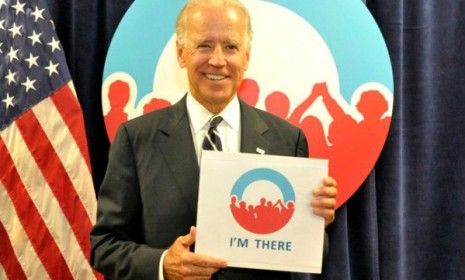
(203, 46)
(232, 47)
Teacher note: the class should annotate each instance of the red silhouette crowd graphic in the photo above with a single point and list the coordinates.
(351, 147)
(263, 218)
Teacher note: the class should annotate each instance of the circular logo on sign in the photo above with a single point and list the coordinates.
(267, 216)
(321, 65)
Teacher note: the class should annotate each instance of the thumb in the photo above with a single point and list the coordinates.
(189, 239)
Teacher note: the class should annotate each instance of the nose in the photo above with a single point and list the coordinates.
(217, 57)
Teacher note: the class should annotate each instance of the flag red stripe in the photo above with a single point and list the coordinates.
(8, 258)
(35, 228)
(70, 110)
(56, 176)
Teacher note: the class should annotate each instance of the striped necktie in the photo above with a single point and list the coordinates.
(212, 140)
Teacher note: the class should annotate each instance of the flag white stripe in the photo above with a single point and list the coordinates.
(2, 272)
(48, 207)
(24, 251)
(70, 156)
(73, 90)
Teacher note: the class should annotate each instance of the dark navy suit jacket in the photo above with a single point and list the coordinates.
(149, 194)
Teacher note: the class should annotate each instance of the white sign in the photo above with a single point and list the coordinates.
(254, 211)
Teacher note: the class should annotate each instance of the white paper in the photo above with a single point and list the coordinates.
(260, 237)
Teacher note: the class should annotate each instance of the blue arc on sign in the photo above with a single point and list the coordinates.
(265, 174)
(347, 27)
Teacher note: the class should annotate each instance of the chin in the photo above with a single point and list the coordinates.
(220, 96)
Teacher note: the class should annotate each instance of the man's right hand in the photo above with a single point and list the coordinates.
(180, 263)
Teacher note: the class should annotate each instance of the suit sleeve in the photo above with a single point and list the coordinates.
(302, 146)
(117, 249)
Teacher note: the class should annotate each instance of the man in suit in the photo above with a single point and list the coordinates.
(148, 199)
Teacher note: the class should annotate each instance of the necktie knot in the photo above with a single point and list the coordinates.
(212, 140)
(214, 122)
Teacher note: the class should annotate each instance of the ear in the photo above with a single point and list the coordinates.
(247, 59)
(179, 54)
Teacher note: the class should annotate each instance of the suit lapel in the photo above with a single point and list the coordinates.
(177, 146)
(253, 131)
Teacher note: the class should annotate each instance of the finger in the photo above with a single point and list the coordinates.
(180, 263)
(206, 261)
(329, 181)
(323, 202)
(189, 239)
(323, 212)
(325, 191)
(327, 214)
(193, 266)
(193, 271)
(197, 259)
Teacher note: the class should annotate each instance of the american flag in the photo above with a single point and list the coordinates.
(47, 199)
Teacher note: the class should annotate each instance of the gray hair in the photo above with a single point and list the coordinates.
(181, 20)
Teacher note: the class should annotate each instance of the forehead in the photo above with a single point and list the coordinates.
(222, 22)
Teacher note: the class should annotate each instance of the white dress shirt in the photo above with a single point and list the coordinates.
(229, 132)
(228, 129)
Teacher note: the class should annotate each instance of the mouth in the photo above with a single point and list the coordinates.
(215, 77)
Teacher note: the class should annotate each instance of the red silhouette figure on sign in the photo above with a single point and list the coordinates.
(313, 130)
(118, 95)
(155, 104)
(248, 91)
(278, 104)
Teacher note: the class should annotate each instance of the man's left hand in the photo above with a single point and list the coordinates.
(324, 200)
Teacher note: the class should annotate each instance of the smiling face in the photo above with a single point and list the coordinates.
(214, 53)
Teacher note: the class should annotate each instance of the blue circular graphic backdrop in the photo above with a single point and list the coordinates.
(333, 50)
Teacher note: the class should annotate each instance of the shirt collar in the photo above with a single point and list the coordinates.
(199, 116)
